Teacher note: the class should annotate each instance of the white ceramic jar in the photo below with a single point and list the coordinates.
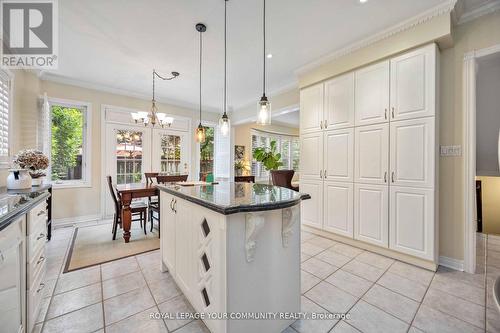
(18, 179)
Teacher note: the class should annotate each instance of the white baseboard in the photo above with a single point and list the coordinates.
(455, 264)
(76, 221)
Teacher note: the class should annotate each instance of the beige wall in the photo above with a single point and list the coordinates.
(477, 34)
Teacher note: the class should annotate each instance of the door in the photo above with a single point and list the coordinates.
(412, 221)
(171, 153)
(311, 108)
(167, 227)
(371, 154)
(339, 208)
(339, 102)
(413, 84)
(128, 151)
(372, 94)
(184, 265)
(413, 152)
(371, 223)
(311, 211)
(311, 157)
(339, 155)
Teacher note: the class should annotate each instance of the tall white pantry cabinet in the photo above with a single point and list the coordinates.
(369, 154)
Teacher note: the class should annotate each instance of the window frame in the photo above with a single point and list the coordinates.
(204, 123)
(86, 180)
(6, 159)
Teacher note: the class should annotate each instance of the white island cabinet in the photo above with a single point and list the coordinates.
(234, 250)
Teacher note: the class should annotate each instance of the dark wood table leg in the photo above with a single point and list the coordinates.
(126, 199)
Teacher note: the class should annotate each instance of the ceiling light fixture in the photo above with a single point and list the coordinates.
(269, 55)
(264, 106)
(363, 1)
(200, 130)
(153, 117)
(224, 122)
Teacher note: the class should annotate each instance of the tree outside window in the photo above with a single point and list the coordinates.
(207, 149)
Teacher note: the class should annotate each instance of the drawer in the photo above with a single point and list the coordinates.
(34, 297)
(35, 241)
(36, 217)
(35, 266)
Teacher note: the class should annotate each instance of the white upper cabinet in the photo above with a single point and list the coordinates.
(338, 207)
(311, 108)
(339, 155)
(372, 94)
(311, 211)
(311, 158)
(371, 214)
(413, 152)
(371, 156)
(339, 102)
(413, 84)
(412, 221)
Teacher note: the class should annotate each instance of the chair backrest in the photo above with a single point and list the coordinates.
(113, 194)
(244, 179)
(171, 179)
(282, 178)
(150, 176)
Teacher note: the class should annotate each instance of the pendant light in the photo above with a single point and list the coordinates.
(224, 122)
(264, 106)
(200, 130)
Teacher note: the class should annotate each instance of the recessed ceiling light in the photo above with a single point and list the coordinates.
(269, 55)
(363, 1)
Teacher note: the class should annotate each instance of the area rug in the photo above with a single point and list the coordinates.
(93, 245)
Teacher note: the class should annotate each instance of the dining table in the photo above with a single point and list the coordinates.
(128, 192)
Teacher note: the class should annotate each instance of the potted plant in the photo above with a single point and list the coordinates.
(270, 159)
(35, 162)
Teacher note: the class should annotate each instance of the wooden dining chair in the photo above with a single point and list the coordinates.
(283, 178)
(139, 209)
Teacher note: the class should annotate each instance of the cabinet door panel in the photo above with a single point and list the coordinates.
(371, 154)
(413, 152)
(371, 223)
(184, 265)
(311, 159)
(413, 84)
(412, 221)
(339, 155)
(311, 108)
(338, 206)
(167, 228)
(339, 102)
(311, 210)
(372, 94)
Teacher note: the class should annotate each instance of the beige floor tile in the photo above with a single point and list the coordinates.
(52, 270)
(310, 249)
(307, 281)
(430, 320)
(154, 274)
(492, 320)
(74, 300)
(310, 325)
(411, 272)
(164, 290)
(62, 233)
(476, 280)
(343, 327)
(368, 318)
(304, 256)
(50, 285)
(289, 329)
(193, 327)
(351, 283)
(318, 268)
(149, 259)
(125, 305)
(413, 329)
(399, 306)
(178, 304)
(459, 288)
(403, 286)
(331, 298)
(140, 322)
(37, 328)
(322, 242)
(363, 270)
(456, 307)
(333, 258)
(346, 250)
(88, 319)
(77, 279)
(119, 267)
(44, 306)
(376, 260)
(305, 236)
(122, 284)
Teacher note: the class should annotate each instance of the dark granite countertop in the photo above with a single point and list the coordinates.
(230, 198)
(14, 203)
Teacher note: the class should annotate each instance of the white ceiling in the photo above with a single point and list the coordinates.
(289, 119)
(115, 43)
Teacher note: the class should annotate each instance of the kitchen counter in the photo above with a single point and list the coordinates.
(14, 203)
(230, 198)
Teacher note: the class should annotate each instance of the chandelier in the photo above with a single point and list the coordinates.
(154, 117)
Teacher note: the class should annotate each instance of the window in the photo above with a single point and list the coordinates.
(288, 146)
(128, 156)
(5, 105)
(69, 133)
(207, 153)
(170, 159)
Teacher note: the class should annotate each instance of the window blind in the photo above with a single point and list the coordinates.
(5, 89)
(222, 155)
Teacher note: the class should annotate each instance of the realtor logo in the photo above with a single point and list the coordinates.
(29, 34)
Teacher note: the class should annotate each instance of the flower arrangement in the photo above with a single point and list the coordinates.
(32, 160)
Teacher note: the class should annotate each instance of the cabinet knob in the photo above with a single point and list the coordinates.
(385, 113)
(42, 258)
(175, 206)
(321, 124)
(42, 285)
(385, 177)
(40, 213)
(326, 124)
(392, 176)
(42, 235)
(171, 204)
(393, 112)
(324, 173)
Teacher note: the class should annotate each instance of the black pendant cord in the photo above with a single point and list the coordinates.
(264, 50)
(225, 57)
(201, 53)
(155, 74)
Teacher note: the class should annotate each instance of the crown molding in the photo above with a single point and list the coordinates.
(480, 11)
(442, 9)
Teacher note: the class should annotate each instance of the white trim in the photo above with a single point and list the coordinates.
(441, 9)
(5, 160)
(75, 221)
(485, 9)
(455, 264)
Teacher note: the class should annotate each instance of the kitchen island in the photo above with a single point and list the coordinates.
(234, 251)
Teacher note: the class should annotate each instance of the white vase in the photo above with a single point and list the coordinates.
(37, 181)
(18, 179)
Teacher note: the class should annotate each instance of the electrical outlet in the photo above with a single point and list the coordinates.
(451, 150)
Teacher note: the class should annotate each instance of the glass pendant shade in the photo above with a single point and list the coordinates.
(264, 111)
(224, 125)
(200, 134)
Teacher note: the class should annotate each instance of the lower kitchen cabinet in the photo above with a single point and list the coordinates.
(311, 211)
(371, 215)
(338, 206)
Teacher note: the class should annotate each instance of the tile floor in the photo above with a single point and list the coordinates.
(379, 294)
